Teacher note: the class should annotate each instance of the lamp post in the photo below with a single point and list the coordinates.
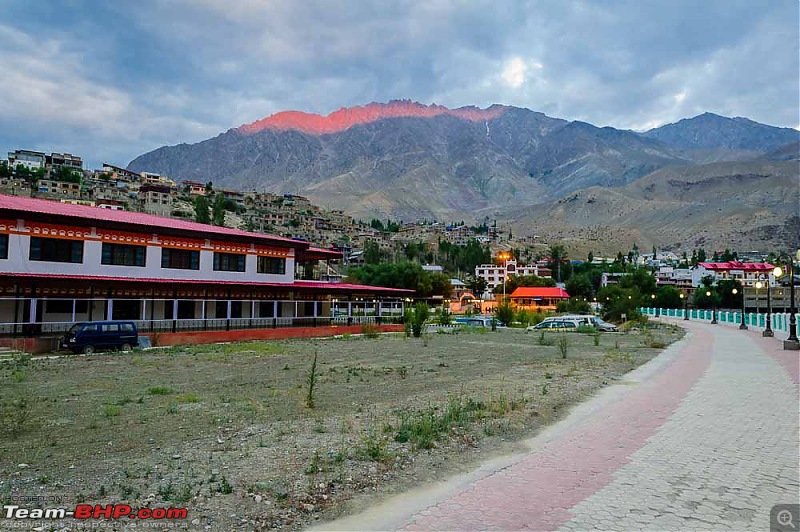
(792, 342)
(768, 330)
(759, 286)
(742, 326)
(653, 300)
(685, 306)
(713, 307)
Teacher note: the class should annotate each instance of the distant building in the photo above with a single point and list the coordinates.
(538, 297)
(495, 274)
(747, 273)
(27, 158)
(155, 199)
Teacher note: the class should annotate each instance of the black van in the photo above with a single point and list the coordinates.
(87, 337)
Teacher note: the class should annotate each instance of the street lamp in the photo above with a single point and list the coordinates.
(713, 306)
(792, 342)
(759, 286)
(685, 306)
(768, 330)
(742, 325)
(653, 301)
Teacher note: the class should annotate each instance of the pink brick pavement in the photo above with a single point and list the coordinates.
(538, 491)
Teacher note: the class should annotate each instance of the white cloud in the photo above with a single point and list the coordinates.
(514, 72)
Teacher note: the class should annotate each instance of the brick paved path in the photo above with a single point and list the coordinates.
(707, 439)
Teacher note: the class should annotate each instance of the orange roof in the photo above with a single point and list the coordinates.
(540, 291)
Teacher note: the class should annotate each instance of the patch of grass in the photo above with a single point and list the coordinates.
(19, 375)
(160, 390)
(112, 411)
(586, 329)
(370, 331)
(225, 486)
(187, 398)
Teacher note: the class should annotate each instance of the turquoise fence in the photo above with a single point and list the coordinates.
(780, 320)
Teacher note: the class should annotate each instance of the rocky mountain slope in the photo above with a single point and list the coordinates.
(407, 160)
(709, 131)
(750, 205)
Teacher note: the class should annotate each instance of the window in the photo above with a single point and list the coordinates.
(126, 327)
(123, 255)
(272, 265)
(59, 306)
(180, 259)
(3, 246)
(56, 250)
(228, 262)
(109, 327)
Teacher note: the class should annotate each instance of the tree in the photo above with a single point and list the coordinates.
(579, 286)
(201, 214)
(66, 174)
(641, 280)
(209, 188)
(558, 254)
(504, 313)
(218, 210)
(574, 306)
(5, 170)
(617, 301)
(372, 253)
(668, 297)
(477, 285)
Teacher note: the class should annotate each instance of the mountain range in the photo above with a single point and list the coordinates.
(708, 180)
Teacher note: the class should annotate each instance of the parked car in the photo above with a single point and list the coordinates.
(88, 337)
(604, 326)
(554, 325)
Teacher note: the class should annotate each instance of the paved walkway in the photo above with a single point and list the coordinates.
(706, 438)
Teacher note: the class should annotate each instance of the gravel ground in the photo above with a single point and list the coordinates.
(226, 431)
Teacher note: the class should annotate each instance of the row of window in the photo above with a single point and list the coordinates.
(57, 250)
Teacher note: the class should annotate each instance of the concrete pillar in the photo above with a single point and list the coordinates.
(74, 303)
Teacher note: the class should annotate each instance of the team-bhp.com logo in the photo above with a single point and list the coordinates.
(94, 511)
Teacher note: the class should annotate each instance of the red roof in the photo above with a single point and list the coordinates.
(737, 265)
(313, 253)
(138, 219)
(308, 285)
(540, 291)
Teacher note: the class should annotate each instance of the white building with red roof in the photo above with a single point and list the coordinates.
(62, 263)
(747, 273)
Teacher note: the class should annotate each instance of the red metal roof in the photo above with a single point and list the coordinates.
(313, 253)
(540, 291)
(737, 265)
(306, 285)
(150, 221)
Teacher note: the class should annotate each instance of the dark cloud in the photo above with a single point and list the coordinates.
(110, 80)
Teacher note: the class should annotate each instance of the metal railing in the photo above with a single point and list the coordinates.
(779, 320)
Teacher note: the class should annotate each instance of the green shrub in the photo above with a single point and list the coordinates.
(420, 315)
(504, 314)
(563, 346)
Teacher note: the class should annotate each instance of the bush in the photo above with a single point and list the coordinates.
(524, 317)
(421, 314)
(444, 317)
(574, 306)
(370, 331)
(504, 314)
(586, 329)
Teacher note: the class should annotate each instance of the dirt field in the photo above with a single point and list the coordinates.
(227, 431)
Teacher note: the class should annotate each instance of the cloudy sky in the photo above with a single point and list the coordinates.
(111, 80)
